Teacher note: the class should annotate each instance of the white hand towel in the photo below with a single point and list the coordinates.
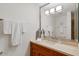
(16, 34)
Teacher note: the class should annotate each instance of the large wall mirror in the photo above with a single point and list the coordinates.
(60, 21)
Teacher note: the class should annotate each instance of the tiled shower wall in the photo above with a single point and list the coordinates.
(63, 25)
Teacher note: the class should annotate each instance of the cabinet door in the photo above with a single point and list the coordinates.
(38, 50)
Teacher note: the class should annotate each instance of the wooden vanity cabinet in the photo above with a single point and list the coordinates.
(39, 50)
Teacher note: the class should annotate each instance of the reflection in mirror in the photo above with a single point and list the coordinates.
(47, 12)
(59, 21)
(59, 8)
(52, 11)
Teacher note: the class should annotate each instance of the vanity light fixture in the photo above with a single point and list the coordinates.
(59, 8)
(47, 12)
(52, 11)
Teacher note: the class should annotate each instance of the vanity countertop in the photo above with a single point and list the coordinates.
(63, 48)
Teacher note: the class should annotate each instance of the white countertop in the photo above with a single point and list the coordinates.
(66, 49)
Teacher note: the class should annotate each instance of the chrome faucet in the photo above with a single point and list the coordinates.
(49, 33)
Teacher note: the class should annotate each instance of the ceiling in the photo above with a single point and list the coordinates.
(39, 4)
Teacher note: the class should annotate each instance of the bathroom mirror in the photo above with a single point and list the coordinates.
(59, 21)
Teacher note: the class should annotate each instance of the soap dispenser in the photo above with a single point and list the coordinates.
(43, 34)
(38, 34)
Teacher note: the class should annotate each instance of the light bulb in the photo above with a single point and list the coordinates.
(52, 11)
(59, 8)
(47, 12)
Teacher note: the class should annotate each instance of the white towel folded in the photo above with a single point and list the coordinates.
(7, 27)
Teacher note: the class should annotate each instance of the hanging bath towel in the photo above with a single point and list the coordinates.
(16, 34)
